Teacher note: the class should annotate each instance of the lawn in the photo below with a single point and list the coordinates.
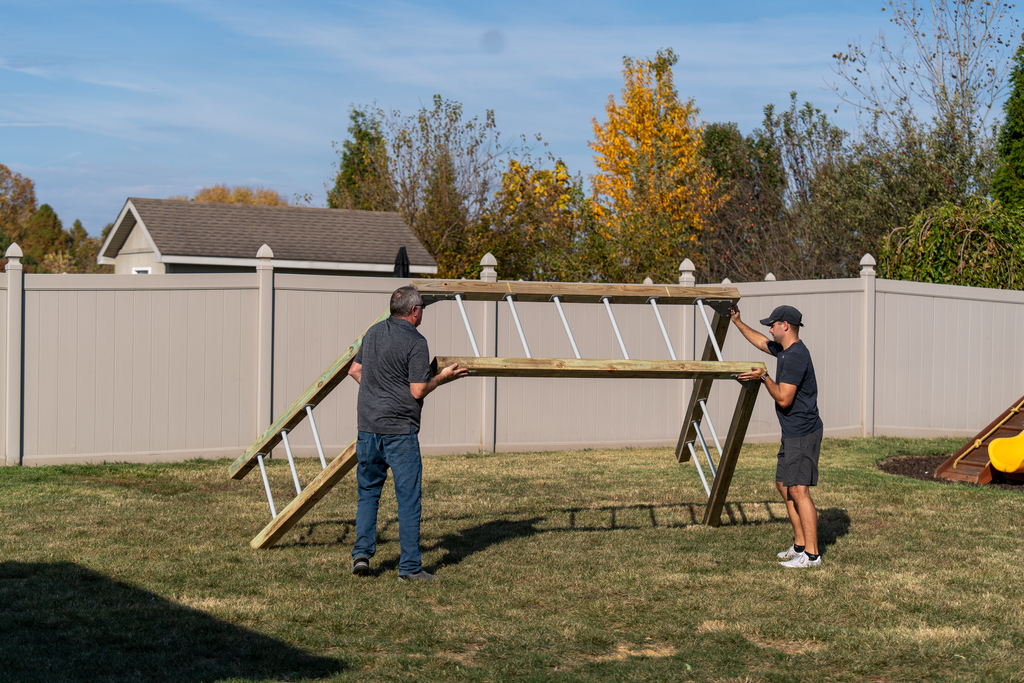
(570, 566)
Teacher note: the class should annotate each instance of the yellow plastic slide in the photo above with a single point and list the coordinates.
(1007, 455)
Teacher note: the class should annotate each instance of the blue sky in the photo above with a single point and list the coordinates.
(100, 101)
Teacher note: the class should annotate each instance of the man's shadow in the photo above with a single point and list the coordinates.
(833, 523)
(63, 622)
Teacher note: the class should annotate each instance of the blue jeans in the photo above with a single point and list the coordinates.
(376, 453)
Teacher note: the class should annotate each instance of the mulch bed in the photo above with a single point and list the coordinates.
(923, 467)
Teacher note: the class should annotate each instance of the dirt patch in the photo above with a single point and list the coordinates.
(923, 467)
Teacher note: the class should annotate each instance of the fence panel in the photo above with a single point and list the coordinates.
(164, 367)
(947, 358)
(137, 367)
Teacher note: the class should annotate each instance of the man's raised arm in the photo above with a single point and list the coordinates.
(751, 335)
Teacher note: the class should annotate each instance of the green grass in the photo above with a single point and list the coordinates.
(573, 566)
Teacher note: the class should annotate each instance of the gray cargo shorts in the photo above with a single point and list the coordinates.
(798, 460)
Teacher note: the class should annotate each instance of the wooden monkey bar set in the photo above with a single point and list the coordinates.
(711, 367)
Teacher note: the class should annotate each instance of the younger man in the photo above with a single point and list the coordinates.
(795, 392)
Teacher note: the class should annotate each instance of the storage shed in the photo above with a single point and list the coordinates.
(154, 236)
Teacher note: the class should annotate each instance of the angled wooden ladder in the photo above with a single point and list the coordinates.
(711, 367)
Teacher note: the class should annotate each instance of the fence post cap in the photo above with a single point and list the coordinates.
(868, 260)
(265, 252)
(489, 260)
(687, 265)
(14, 251)
(648, 281)
(770, 277)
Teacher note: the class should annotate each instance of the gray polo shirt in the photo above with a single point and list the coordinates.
(393, 355)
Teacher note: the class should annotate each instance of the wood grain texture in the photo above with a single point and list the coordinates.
(474, 290)
(589, 368)
(296, 412)
(731, 453)
(310, 496)
(702, 387)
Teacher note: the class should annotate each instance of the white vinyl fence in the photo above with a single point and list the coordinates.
(170, 367)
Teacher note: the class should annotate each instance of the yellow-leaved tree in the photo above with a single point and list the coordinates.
(238, 195)
(538, 224)
(653, 191)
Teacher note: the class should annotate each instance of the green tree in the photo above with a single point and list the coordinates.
(750, 213)
(1008, 179)
(437, 168)
(79, 256)
(980, 244)
(44, 234)
(363, 180)
(951, 62)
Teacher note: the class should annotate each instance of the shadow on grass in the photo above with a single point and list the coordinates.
(833, 524)
(62, 622)
(460, 544)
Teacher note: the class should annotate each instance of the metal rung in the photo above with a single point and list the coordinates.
(711, 333)
(704, 447)
(291, 461)
(611, 316)
(266, 485)
(700, 470)
(714, 435)
(653, 301)
(316, 437)
(565, 324)
(519, 327)
(469, 330)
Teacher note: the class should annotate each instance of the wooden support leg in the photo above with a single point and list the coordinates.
(733, 444)
(296, 412)
(701, 389)
(309, 497)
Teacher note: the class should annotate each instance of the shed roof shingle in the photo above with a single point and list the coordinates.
(215, 229)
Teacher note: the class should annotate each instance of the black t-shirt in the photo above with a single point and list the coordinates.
(393, 355)
(795, 367)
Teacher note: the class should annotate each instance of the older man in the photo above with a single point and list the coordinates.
(795, 392)
(393, 371)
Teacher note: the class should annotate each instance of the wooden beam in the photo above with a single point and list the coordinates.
(296, 412)
(309, 497)
(585, 293)
(731, 452)
(702, 387)
(572, 367)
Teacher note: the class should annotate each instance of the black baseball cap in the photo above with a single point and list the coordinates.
(786, 314)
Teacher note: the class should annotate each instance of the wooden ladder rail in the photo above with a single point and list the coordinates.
(731, 452)
(701, 388)
(737, 429)
(296, 412)
(310, 496)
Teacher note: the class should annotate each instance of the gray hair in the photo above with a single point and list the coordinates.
(403, 300)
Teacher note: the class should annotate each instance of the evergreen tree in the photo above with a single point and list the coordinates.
(1008, 180)
(363, 180)
(44, 234)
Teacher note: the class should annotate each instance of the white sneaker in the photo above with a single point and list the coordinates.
(801, 561)
(788, 554)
